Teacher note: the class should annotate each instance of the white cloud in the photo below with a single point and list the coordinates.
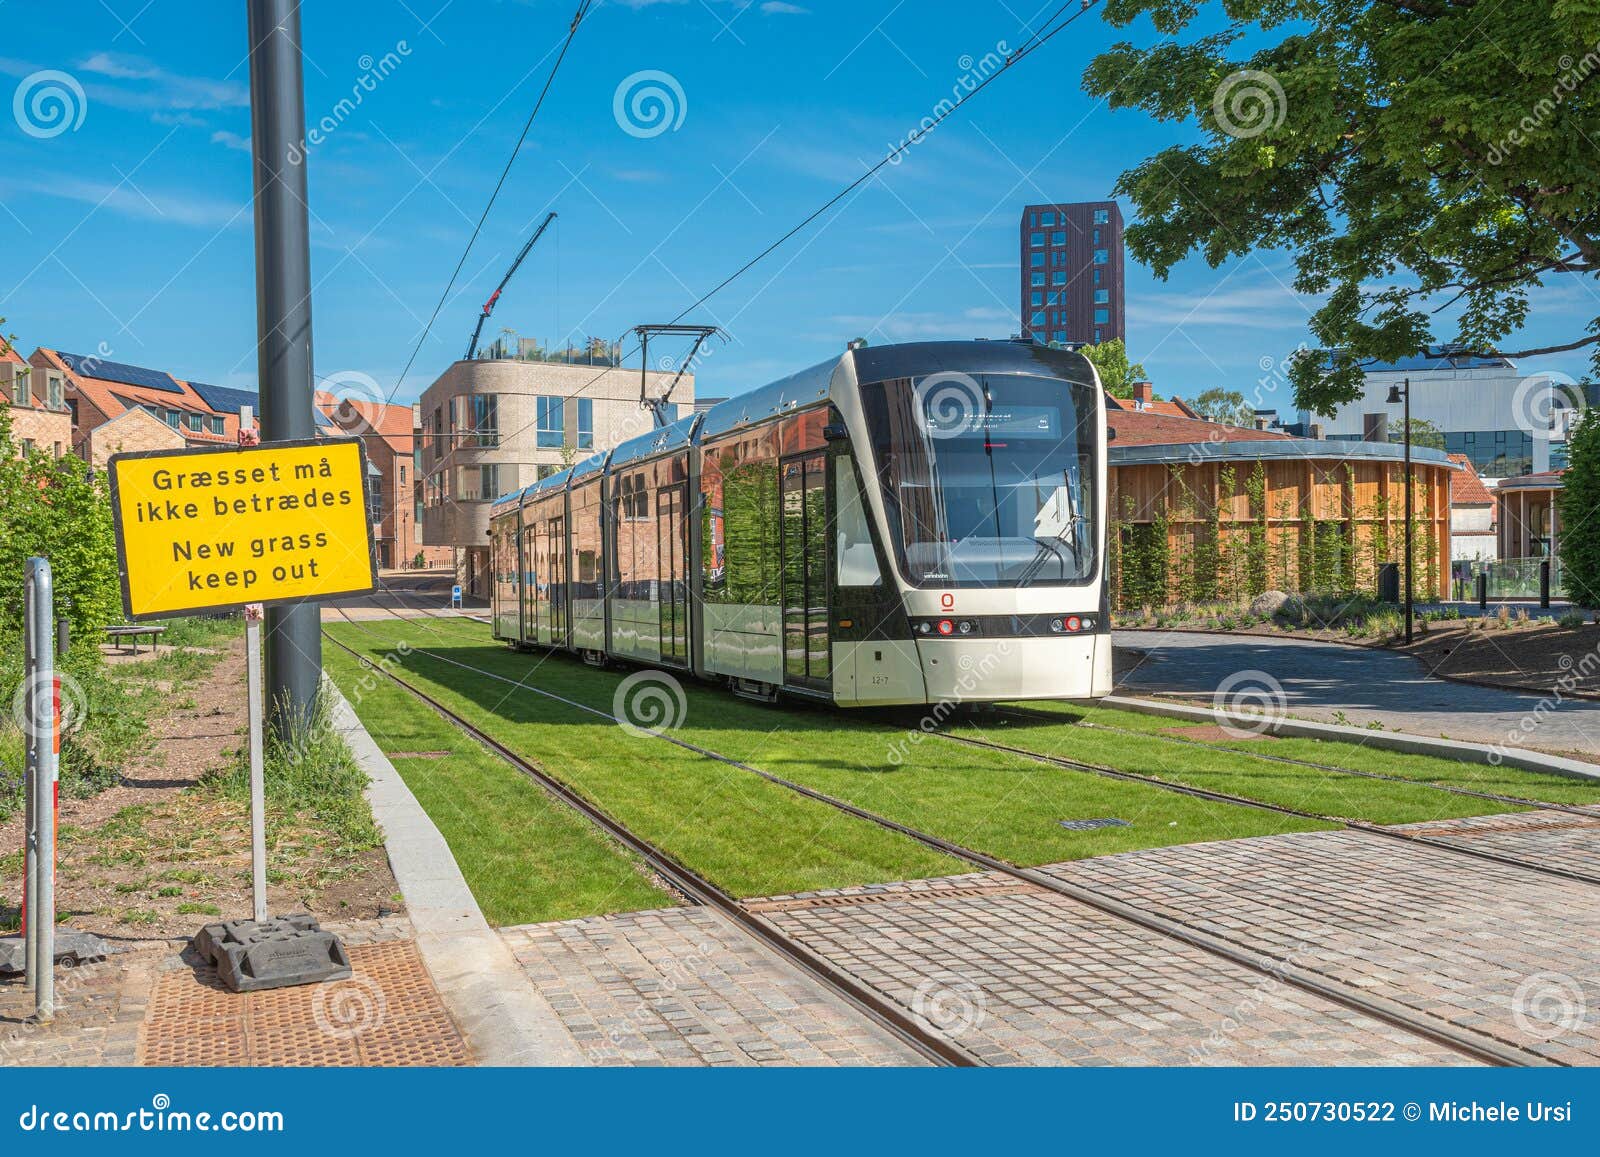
(230, 140)
(142, 84)
(132, 201)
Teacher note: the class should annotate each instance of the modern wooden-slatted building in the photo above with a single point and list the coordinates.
(1205, 512)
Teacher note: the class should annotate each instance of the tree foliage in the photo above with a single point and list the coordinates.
(1117, 373)
(1579, 504)
(1422, 161)
(1423, 433)
(57, 508)
(1226, 406)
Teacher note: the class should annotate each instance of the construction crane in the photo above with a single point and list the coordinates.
(488, 306)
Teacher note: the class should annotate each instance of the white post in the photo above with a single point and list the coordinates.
(42, 763)
(258, 809)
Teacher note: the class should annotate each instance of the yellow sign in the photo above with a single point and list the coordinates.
(205, 530)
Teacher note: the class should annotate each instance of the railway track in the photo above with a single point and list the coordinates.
(1493, 797)
(1282, 809)
(1475, 1045)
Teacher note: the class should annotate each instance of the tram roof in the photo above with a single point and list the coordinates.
(663, 440)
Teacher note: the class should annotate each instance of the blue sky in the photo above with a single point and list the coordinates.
(131, 233)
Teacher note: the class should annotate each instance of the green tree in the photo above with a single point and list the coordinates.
(1226, 406)
(1579, 504)
(1117, 373)
(1421, 160)
(1423, 433)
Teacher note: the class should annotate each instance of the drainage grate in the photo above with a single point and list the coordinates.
(1091, 825)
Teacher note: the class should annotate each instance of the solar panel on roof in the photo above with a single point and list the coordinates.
(225, 399)
(121, 372)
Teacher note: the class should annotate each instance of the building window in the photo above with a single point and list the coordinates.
(1096, 238)
(1058, 279)
(54, 391)
(1033, 220)
(27, 447)
(1038, 279)
(1101, 256)
(72, 408)
(475, 418)
(550, 422)
(1036, 260)
(1102, 216)
(1097, 277)
(1059, 237)
(586, 423)
(197, 422)
(477, 483)
(438, 433)
(402, 469)
(218, 425)
(1038, 298)
(1038, 319)
(1047, 220)
(1061, 335)
(1102, 297)
(1096, 337)
(1036, 239)
(174, 419)
(1102, 317)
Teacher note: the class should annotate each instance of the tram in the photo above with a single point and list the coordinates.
(904, 524)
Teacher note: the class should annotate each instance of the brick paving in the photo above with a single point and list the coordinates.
(1553, 839)
(684, 986)
(1023, 976)
(99, 1008)
(1503, 951)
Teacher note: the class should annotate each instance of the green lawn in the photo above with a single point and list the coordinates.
(1002, 804)
(1022, 732)
(751, 837)
(527, 858)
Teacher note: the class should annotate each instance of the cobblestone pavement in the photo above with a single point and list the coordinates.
(99, 1008)
(683, 986)
(1021, 975)
(1549, 838)
(1502, 951)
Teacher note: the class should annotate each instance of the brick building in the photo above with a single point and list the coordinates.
(1072, 272)
(37, 404)
(390, 435)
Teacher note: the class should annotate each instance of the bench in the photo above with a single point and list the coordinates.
(135, 631)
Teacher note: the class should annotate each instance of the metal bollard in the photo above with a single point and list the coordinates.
(1544, 583)
(63, 636)
(1483, 591)
(39, 681)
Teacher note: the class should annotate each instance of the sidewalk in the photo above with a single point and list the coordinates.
(1364, 685)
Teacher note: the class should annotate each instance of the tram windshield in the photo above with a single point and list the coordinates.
(988, 480)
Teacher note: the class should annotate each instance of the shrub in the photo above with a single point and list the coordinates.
(1571, 619)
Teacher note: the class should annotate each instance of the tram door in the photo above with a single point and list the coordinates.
(807, 653)
(529, 586)
(672, 552)
(555, 569)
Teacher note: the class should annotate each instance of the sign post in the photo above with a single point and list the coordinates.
(244, 528)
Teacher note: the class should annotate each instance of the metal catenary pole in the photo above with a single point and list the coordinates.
(42, 761)
(283, 319)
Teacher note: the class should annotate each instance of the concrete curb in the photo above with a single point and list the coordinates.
(505, 1020)
(1456, 749)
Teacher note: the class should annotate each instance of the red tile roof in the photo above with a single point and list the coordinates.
(114, 398)
(1147, 428)
(1466, 488)
(1173, 408)
(390, 422)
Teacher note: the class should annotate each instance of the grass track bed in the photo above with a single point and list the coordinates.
(527, 858)
(750, 837)
(1024, 732)
(1002, 804)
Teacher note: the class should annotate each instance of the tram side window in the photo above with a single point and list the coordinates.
(741, 528)
(857, 561)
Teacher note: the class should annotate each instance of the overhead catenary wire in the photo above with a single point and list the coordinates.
(583, 9)
(1035, 41)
